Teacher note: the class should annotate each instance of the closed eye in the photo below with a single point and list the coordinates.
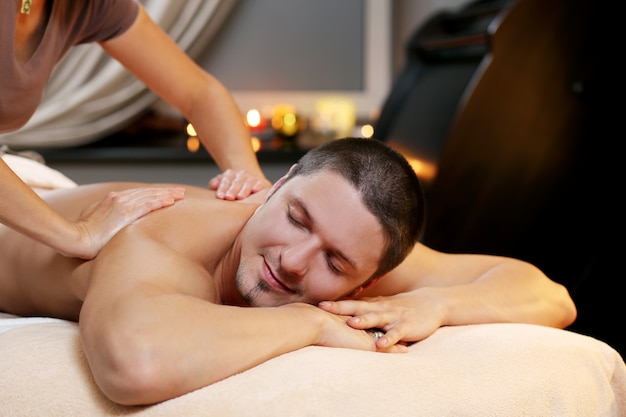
(294, 221)
(329, 255)
(331, 265)
(305, 226)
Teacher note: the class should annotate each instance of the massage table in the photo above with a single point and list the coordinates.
(499, 369)
(481, 370)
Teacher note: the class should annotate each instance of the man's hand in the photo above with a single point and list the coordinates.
(237, 185)
(101, 221)
(405, 318)
(336, 332)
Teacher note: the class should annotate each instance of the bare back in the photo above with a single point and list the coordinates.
(36, 280)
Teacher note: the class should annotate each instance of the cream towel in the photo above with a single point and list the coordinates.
(508, 370)
(35, 174)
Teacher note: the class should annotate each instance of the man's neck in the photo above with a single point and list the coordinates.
(226, 276)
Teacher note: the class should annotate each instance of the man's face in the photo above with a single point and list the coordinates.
(313, 240)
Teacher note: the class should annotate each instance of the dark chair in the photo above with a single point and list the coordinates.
(442, 57)
(508, 115)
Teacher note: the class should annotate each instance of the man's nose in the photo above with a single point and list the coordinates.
(296, 257)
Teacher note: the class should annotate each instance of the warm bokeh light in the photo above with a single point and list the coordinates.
(335, 115)
(367, 131)
(284, 119)
(424, 170)
(277, 122)
(256, 143)
(289, 120)
(193, 143)
(190, 130)
(253, 118)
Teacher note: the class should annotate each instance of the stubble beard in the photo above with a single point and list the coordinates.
(250, 295)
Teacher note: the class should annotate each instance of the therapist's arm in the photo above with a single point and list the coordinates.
(201, 98)
(24, 211)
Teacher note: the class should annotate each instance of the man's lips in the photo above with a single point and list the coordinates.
(272, 280)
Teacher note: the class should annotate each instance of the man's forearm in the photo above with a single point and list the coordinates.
(506, 291)
(167, 345)
(510, 292)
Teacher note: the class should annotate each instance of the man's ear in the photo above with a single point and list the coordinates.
(363, 287)
(278, 183)
(370, 283)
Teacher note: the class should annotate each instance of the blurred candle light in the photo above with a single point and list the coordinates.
(253, 117)
(190, 130)
(367, 131)
(193, 143)
(254, 120)
(426, 170)
(284, 119)
(335, 116)
(256, 144)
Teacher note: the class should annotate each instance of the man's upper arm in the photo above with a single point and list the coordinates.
(131, 262)
(407, 276)
(426, 267)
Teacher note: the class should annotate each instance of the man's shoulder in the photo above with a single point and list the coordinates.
(200, 220)
(177, 247)
(202, 207)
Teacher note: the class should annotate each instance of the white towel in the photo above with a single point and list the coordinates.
(508, 370)
(35, 174)
(10, 322)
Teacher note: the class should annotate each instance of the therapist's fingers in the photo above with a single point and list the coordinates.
(237, 185)
(101, 221)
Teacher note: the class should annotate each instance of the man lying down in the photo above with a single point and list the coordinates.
(332, 251)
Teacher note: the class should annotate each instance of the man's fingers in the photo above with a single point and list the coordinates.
(363, 314)
(397, 348)
(376, 313)
(386, 342)
(348, 307)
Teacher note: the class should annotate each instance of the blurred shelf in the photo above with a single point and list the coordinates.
(150, 147)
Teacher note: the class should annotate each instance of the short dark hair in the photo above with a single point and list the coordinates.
(388, 186)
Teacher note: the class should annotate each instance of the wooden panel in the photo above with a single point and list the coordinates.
(517, 139)
(531, 167)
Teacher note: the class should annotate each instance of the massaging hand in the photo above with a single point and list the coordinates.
(237, 185)
(101, 221)
(405, 318)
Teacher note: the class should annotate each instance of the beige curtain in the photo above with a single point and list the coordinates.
(90, 95)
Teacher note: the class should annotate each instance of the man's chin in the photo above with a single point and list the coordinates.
(259, 295)
(267, 300)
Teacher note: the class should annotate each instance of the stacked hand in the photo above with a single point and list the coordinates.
(403, 318)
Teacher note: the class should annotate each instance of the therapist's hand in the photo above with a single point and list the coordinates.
(237, 185)
(101, 221)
